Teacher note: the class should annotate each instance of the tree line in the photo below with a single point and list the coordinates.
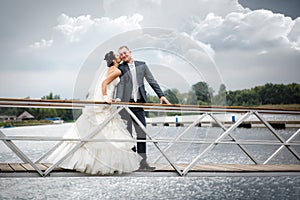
(42, 113)
(200, 94)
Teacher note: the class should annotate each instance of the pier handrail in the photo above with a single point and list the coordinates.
(73, 104)
(202, 111)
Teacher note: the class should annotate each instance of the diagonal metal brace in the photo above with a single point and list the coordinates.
(181, 134)
(233, 139)
(211, 146)
(19, 153)
(279, 138)
(91, 135)
(155, 143)
(282, 146)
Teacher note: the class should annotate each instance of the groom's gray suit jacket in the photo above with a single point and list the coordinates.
(124, 88)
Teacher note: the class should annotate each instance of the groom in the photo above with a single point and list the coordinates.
(132, 89)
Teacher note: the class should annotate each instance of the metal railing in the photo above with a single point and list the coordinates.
(200, 111)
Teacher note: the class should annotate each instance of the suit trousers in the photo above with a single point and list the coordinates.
(140, 134)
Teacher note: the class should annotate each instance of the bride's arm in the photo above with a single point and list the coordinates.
(112, 76)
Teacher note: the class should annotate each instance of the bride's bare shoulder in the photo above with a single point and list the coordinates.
(114, 72)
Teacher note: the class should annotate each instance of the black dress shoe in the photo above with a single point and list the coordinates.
(133, 149)
(146, 167)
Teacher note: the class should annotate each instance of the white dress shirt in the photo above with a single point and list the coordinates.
(135, 88)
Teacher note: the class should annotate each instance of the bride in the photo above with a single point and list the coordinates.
(100, 157)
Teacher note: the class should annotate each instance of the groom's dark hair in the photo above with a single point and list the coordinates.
(109, 57)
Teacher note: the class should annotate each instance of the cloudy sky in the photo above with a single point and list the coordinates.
(58, 46)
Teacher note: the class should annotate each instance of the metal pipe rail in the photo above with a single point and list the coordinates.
(163, 140)
(77, 104)
(202, 111)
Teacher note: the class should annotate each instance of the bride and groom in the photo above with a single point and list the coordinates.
(123, 80)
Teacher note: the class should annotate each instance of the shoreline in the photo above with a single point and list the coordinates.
(33, 124)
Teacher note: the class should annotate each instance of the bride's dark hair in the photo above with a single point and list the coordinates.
(109, 57)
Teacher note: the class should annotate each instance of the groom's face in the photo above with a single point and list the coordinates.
(125, 55)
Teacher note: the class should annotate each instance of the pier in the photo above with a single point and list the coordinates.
(226, 120)
(198, 116)
(26, 170)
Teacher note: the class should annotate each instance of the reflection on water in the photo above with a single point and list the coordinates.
(282, 187)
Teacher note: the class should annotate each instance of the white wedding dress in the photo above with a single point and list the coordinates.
(99, 157)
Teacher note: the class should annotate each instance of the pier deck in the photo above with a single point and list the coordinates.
(25, 170)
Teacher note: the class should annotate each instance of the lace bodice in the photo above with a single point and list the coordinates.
(111, 87)
(96, 94)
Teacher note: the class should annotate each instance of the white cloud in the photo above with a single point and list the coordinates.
(294, 34)
(73, 40)
(253, 47)
(253, 30)
(169, 13)
(41, 44)
(74, 28)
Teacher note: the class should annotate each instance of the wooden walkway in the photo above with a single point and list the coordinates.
(199, 115)
(26, 170)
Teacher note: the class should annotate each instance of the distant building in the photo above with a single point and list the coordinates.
(8, 118)
(25, 116)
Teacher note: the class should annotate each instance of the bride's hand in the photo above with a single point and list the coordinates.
(107, 99)
(116, 100)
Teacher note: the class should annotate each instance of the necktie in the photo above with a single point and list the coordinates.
(135, 87)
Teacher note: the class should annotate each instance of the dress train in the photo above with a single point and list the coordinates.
(99, 157)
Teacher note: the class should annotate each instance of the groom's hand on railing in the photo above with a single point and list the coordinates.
(164, 99)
